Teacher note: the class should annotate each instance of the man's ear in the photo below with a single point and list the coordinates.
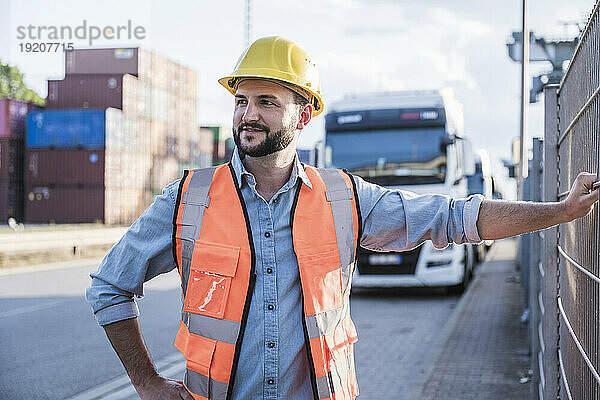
(306, 112)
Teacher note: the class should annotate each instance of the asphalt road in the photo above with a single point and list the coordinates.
(52, 347)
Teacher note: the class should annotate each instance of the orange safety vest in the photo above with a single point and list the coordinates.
(213, 248)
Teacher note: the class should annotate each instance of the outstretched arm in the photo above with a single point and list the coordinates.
(500, 219)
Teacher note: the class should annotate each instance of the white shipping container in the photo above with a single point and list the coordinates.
(159, 71)
(205, 139)
(137, 97)
(124, 203)
(112, 169)
(158, 134)
(159, 104)
(145, 65)
(144, 135)
(190, 84)
(113, 127)
(133, 135)
(154, 129)
(112, 205)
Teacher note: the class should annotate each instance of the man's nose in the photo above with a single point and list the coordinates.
(250, 114)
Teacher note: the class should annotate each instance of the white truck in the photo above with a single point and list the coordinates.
(411, 140)
(482, 182)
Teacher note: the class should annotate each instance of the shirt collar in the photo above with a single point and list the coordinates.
(297, 170)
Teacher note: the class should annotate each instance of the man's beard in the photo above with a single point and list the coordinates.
(274, 141)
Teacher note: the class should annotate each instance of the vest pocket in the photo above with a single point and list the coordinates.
(322, 276)
(212, 269)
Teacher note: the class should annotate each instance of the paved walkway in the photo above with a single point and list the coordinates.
(485, 353)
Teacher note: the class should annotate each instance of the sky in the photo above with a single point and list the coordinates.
(358, 45)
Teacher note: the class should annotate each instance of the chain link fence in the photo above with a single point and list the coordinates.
(565, 319)
(533, 273)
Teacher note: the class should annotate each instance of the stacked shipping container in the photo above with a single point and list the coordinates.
(64, 166)
(149, 115)
(12, 135)
(86, 91)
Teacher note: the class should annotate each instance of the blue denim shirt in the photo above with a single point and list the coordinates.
(274, 340)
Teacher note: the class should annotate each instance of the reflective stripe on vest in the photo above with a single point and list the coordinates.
(196, 200)
(215, 257)
(325, 232)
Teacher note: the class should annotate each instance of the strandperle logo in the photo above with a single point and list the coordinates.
(82, 32)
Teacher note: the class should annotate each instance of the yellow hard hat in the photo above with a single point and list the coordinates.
(280, 60)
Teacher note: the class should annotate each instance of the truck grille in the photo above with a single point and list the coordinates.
(389, 263)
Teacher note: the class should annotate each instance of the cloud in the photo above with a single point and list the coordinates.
(358, 73)
(373, 30)
(449, 68)
(463, 26)
(408, 45)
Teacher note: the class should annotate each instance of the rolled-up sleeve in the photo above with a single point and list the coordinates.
(397, 220)
(144, 251)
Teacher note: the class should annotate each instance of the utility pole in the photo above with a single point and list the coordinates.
(524, 100)
(248, 24)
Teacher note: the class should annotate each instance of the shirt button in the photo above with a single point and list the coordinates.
(269, 270)
(267, 234)
(271, 381)
(270, 307)
(275, 200)
(271, 345)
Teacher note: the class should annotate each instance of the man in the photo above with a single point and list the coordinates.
(266, 248)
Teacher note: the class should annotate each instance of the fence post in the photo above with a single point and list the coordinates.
(523, 255)
(535, 275)
(550, 325)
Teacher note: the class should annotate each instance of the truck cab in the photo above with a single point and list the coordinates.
(409, 140)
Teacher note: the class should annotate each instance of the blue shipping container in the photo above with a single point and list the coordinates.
(66, 129)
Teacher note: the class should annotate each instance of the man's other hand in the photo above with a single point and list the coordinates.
(582, 197)
(160, 388)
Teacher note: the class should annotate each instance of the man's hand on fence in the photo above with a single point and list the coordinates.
(582, 196)
(500, 218)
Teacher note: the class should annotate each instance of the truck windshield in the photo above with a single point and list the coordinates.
(392, 156)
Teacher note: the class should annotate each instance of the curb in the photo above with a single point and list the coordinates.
(26, 269)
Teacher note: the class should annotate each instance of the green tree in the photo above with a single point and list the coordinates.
(13, 87)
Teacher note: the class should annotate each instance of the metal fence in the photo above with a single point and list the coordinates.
(566, 361)
(531, 257)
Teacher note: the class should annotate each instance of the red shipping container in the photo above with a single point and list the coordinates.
(86, 91)
(11, 202)
(3, 203)
(61, 205)
(13, 115)
(102, 61)
(11, 160)
(44, 167)
(4, 132)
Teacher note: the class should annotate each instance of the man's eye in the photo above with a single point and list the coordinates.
(268, 103)
(241, 102)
